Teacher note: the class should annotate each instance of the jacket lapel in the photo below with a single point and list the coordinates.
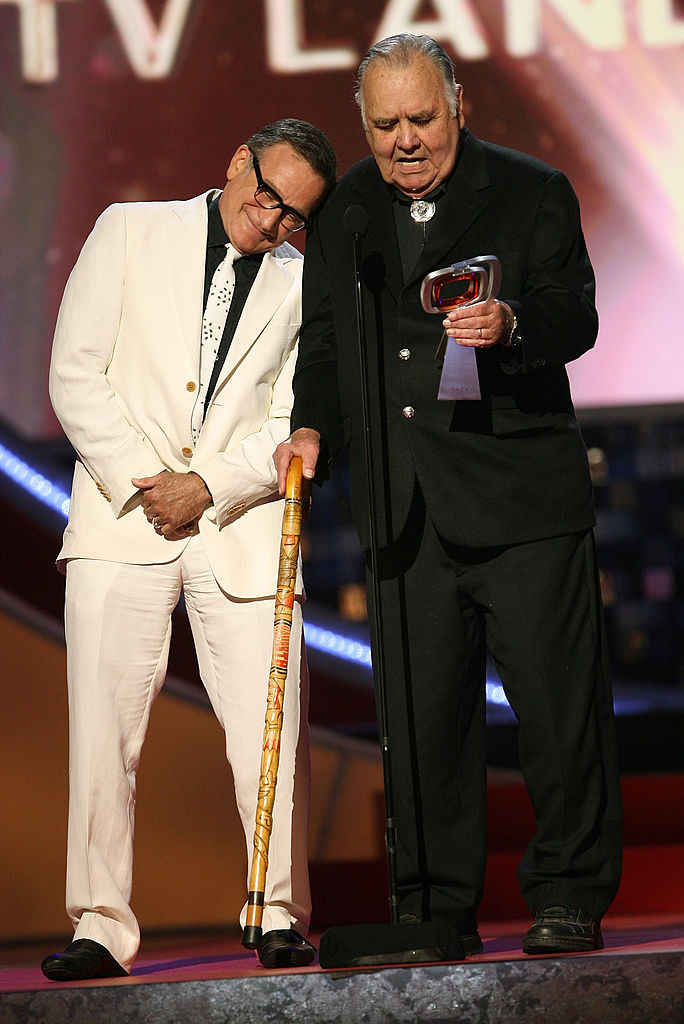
(467, 196)
(186, 235)
(380, 241)
(269, 291)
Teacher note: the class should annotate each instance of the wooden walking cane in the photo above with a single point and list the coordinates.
(296, 509)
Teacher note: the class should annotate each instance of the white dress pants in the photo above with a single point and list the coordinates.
(118, 629)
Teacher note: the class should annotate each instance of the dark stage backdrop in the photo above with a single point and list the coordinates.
(114, 100)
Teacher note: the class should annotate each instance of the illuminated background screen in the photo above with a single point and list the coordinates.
(115, 100)
(111, 100)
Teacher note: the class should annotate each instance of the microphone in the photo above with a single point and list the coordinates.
(355, 220)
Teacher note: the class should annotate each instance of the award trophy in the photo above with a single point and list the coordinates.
(461, 284)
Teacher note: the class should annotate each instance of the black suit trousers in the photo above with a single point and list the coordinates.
(537, 607)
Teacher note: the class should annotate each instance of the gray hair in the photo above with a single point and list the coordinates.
(309, 142)
(400, 51)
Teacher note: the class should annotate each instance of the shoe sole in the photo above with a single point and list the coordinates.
(53, 974)
(472, 944)
(541, 946)
(289, 959)
(56, 973)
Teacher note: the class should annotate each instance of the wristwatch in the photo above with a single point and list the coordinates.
(514, 338)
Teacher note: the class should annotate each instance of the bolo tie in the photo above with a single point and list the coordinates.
(422, 211)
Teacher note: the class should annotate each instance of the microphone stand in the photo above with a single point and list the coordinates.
(356, 222)
(394, 943)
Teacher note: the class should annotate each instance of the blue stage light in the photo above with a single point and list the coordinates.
(351, 650)
(496, 695)
(34, 482)
(341, 646)
(317, 637)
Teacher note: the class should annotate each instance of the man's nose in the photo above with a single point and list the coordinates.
(407, 137)
(270, 221)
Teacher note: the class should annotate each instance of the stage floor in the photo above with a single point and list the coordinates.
(208, 977)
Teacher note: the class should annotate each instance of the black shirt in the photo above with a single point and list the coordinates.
(411, 234)
(246, 269)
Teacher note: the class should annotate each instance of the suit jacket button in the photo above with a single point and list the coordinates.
(404, 353)
(191, 386)
(408, 412)
(187, 452)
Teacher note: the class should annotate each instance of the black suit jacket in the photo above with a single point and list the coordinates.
(511, 467)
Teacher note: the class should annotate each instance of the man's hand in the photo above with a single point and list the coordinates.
(173, 502)
(481, 325)
(305, 442)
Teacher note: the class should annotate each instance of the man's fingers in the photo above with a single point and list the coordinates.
(282, 458)
(479, 325)
(304, 442)
(309, 465)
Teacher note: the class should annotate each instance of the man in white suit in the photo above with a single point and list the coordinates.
(172, 377)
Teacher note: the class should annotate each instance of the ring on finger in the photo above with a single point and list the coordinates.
(479, 332)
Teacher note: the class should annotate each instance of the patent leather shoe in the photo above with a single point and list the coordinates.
(284, 947)
(82, 960)
(560, 929)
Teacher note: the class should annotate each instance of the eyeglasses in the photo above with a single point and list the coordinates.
(268, 199)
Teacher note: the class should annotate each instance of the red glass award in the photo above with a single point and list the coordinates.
(461, 284)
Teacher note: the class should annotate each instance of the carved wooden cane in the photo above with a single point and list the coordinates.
(296, 509)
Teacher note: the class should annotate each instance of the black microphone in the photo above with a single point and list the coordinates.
(355, 220)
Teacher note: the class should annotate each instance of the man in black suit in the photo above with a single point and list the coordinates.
(484, 508)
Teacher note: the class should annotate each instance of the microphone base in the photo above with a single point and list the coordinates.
(371, 945)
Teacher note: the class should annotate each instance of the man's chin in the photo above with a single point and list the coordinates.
(413, 189)
(250, 241)
(253, 245)
(413, 184)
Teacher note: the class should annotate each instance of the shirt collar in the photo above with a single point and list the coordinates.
(218, 236)
(216, 233)
(432, 197)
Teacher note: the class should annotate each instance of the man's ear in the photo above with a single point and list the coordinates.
(460, 115)
(240, 159)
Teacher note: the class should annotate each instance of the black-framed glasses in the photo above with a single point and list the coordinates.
(268, 199)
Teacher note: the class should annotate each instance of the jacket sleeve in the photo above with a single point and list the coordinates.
(316, 388)
(557, 319)
(84, 401)
(246, 474)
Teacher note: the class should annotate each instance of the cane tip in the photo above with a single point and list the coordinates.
(251, 936)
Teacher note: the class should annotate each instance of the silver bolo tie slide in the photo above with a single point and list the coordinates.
(422, 210)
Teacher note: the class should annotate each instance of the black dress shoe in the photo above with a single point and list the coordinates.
(561, 929)
(284, 947)
(83, 959)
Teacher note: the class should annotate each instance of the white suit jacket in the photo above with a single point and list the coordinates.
(124, 378)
